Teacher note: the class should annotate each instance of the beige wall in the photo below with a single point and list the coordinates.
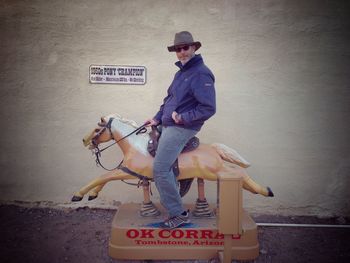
(282, 70)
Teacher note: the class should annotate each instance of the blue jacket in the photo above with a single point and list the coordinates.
(191, 94)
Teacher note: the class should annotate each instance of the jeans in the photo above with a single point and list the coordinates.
(171, 143)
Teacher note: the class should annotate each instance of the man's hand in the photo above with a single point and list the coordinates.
(176, 117)
(151, 122)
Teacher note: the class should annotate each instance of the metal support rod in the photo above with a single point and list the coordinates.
(302, 225)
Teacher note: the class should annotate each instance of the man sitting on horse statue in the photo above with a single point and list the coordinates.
(190, 101)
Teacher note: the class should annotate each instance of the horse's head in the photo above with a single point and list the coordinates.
(111, 127)
(102, 133)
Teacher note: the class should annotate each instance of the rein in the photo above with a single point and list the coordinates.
(98, 152)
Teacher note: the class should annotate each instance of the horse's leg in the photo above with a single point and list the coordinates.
(201, 193)
(147, 207)
(93, 194)
(99, 182)
(255, 188)
(146, 191)
(202, 206)
(248, 183)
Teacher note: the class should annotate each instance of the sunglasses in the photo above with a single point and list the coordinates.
(178, 49)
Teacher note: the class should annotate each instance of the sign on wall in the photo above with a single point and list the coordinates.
(111, 74)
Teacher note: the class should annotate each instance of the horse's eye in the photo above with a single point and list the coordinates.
(97, 130)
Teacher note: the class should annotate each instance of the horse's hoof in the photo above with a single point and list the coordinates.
(92, 197)
(270, 193)
(76, 198)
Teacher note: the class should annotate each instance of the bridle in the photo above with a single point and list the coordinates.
(100, 132)
(96, 150)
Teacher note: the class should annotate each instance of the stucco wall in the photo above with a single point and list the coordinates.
(282, 80)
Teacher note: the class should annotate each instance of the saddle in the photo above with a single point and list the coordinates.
(155, 134)
(191, 145)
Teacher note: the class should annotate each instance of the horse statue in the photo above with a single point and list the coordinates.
(204, 162)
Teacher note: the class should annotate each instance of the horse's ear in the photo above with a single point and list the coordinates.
(102, 122)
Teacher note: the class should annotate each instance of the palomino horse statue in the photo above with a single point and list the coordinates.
(205, 162)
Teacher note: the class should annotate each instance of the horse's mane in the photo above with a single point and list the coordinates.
(140, 141)
(124, 120)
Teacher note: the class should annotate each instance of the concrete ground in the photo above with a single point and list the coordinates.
(47, 234)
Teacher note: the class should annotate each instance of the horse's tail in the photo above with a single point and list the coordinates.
(230, 155)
